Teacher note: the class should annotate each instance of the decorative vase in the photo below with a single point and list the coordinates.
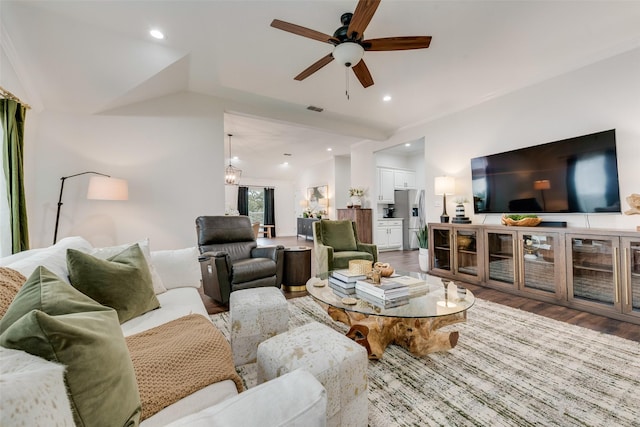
(356, 201)
(423, 259)
(460, 209)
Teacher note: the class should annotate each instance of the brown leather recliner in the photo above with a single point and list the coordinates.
(230, 258)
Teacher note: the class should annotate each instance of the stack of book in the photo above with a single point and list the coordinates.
(388, 293)
(395, 302)
(343, 282)
(416, 286)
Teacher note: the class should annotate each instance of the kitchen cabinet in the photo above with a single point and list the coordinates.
(404, 179)
(388, 235)
(385, 185)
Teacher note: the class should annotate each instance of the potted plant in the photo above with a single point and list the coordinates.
(356, 196)
(423, 250)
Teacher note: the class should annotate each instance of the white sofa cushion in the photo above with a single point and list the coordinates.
(72, 241)
(178, 268)
(196, 402)
(33, 391)
(174, 303)
(269, 404)
(54, 258)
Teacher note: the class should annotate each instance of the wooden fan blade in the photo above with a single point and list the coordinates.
(303, 31)
(361, 17)
(362, 73)
(314, 67)
(397, 43)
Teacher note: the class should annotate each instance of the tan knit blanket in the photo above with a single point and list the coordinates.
(176, 359)
(10, 283)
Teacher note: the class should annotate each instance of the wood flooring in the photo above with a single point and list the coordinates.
(408, 261)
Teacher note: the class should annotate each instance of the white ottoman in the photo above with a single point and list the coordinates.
(337, 362)
(255, 315)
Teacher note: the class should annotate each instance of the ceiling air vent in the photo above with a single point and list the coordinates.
(316, 109)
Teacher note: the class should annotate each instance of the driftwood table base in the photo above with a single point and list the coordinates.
(418, 335)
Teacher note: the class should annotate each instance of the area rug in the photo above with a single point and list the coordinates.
(510, 368)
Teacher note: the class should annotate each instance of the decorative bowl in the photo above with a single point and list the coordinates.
(524, 222)
(385, 268)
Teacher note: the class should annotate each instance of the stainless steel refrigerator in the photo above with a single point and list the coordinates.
(409, 205)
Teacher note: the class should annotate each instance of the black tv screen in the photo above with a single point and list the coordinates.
(576, 175)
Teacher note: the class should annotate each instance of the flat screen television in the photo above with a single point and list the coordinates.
(575, 175)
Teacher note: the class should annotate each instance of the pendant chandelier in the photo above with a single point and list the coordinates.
(231, 174)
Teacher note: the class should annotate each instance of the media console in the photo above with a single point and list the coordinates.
(587, 269)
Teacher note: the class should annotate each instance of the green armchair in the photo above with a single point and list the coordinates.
(336, 243)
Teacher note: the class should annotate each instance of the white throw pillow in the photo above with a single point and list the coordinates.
(107, 252)
(33, 391)
(178, 268)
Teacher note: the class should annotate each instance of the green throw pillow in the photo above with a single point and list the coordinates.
(71, 329)
(122, 282)
(339, 235)
(45, 291)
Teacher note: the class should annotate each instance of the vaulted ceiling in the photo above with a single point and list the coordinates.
(93, 56)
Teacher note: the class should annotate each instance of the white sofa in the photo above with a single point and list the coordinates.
(178, 272)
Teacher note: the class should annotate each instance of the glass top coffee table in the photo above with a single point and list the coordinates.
(432, 303)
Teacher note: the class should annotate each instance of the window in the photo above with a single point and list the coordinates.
(256, 204)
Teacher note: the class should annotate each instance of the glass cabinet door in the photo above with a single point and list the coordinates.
(466, 252)
(538, 262)
(632, 272)
(501, 258)
(441, 249)
(593, 272)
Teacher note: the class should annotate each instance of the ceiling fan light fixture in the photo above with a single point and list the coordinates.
(348, 53)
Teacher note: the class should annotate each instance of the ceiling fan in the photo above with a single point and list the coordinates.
(349, 43)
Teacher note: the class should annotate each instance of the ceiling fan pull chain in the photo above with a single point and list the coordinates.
(346, 75)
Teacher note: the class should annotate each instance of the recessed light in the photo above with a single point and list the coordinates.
(286, 163)
(329, 149)
(407, 145)
(156, 34)
(235, 157)
(386, 98)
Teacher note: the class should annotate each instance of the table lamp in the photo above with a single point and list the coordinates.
(444, 185)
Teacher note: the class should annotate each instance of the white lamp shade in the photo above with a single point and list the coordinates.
(444, 185)
(107, 188)
(542, 184)
(348, 53)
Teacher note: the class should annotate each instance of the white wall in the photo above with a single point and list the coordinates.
(342, 181)
(315, 176)
(598, 97)
(170, 150)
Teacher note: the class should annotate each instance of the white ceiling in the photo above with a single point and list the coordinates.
(92, 56)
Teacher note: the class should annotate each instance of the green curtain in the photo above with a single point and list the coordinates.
(270, 209)
(12, 115)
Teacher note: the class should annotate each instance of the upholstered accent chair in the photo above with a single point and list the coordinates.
(336, 243)
(230, 258)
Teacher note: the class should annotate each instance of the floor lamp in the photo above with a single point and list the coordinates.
(444, 185)
(101, 187)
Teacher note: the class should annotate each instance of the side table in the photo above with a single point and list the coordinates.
(297, 268)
